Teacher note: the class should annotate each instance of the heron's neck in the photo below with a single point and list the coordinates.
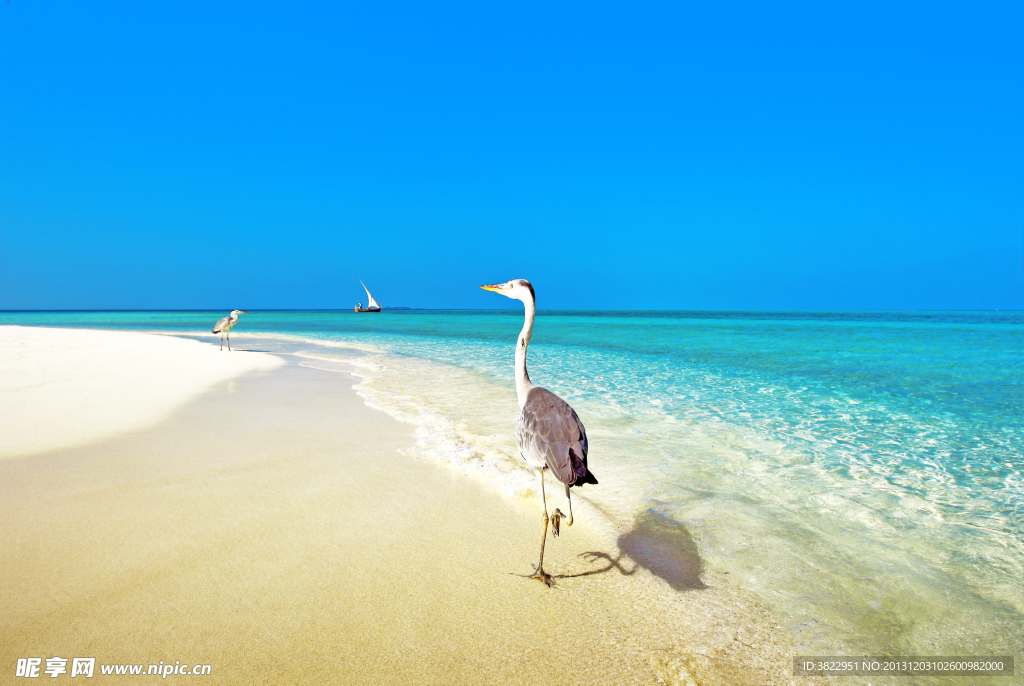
(523, 384)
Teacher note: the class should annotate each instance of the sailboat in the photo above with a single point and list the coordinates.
(372, 306)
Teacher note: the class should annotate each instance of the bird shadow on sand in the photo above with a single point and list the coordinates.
(665, 548)
(609, 564)
(657, 543)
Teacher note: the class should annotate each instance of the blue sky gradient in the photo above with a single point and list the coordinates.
(657, 155)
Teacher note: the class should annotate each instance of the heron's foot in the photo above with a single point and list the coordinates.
(556, 521)
(543, 577)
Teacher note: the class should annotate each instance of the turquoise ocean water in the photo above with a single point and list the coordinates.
(861, 474)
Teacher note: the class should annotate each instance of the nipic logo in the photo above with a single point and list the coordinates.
(31, 667)
(80, 666)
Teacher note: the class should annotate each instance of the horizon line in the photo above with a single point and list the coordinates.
(501, 309)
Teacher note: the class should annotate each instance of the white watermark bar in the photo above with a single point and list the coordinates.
(34, 667)
(907, 665)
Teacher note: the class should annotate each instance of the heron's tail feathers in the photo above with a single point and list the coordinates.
(580, 469)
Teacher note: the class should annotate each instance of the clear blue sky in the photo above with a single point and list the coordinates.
(662, 155)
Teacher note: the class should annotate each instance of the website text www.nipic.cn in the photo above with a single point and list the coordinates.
(32, 667)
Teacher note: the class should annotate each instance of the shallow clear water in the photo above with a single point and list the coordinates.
(861, 473)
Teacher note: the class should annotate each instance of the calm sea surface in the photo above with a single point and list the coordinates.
(860, 473)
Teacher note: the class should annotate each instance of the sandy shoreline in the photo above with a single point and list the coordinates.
(270, 527)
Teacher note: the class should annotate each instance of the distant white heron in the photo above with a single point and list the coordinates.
(549, 433)
(223, 326)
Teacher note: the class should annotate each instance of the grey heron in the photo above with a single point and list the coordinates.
(549, 434)
(223, 326)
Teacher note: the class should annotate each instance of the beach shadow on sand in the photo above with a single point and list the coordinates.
(662, 546)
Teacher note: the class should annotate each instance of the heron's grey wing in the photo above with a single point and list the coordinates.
(547, 431)
(221, 323)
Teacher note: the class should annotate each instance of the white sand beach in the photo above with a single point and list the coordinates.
(163, 501)
(65, 387)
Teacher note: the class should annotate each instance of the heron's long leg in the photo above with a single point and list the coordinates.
(543, 497)
(229, 339)
(569, 498)
(222, 342)
(540, 574)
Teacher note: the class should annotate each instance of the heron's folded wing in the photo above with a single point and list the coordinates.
(548, 428)
(221, 323)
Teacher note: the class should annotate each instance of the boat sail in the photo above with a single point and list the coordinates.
(372, 306)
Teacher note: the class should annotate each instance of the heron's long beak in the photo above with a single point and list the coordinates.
(494, 287)
(242, 312)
